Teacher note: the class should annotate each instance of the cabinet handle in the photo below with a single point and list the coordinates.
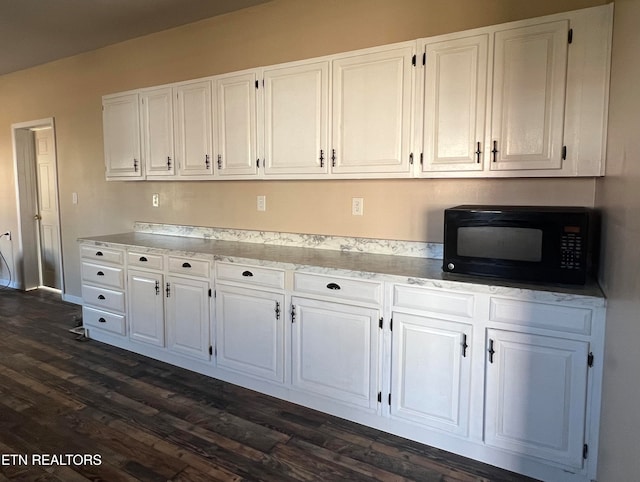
(100, 273)
(101, 320)
(168, 290)
(464, 345)
(101, 297)
(219, 161)
(207, 162)
(248, 274)
(478, 152)
(491, 351)
(277, 310)
(293, 313)
(333, 286)
(99, 253)
(495, 151)
(143, 259)
(186, 265)
(321, 158)
(333, 157)
(157, 288)
(135, 165)
(168, 163)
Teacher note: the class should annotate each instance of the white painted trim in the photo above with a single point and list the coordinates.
(76, 300)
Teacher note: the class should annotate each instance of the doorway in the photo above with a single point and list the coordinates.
(39, 249)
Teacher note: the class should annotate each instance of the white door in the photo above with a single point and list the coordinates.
(193, 129)
(529, 83)
(455, 97)
(372, 95)
(296, 104)
(536, 396)
(335, 351)
(250, 332)
(121, 129)
(157, 132)
(236, 106)
(431, 372)
(145, 293)
(187, 310)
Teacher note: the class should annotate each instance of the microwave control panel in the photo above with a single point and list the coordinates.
(571, 249)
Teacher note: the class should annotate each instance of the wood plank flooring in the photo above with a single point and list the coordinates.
(150, 421)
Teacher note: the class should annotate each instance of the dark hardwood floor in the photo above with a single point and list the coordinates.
(150, 421)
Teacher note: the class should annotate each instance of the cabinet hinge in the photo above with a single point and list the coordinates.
(262, 82)
(379, 397)
(422, 159)
(413, 61)
(258, 163)
(380, 321)
(424, 58)
(564, 153)
(214, 293)
(209, 292)
(389, 400)
(590, 359)
(570, 36)
(210, 350)
(391, 324)
(411, 159)
(585, 451)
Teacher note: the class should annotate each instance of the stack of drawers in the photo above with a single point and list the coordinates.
(103, 284)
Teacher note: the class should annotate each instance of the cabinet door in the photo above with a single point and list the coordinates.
(187, 315)
(372, 112)
(454, 104)
(237, 129)
(296, 120)
(431, 372)
(157, 131)
(250, 332)
(335, 351)
(146, 307)
(193, 128)
(529, 84)
(121, 126)
(536, 390)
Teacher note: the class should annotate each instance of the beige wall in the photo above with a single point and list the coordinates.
(619, 196)
(70, 90)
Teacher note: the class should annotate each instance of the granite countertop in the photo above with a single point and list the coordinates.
(405, 269)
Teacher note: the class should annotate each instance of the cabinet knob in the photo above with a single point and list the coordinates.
(186, 265)
(143, 259)
(333, 286)
(101, 320)
(100, 273)
(101, 297)
(99, 253)
(247, 273)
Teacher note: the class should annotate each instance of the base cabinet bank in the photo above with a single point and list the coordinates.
(510, 376)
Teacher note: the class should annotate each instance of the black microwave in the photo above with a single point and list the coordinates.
(523, 243)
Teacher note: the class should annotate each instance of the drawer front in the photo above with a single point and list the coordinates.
(103, 298)
(190, 266)
(104, 320)
(105, 255)
(541, 315)
(242, 273)
(145, 260)
(343, 288)
(103, 275)
(434, 301)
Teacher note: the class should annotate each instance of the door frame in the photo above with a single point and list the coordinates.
(26, 193)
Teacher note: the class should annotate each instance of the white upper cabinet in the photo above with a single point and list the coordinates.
(157, 131)
(371, 119)
(455, 96)
(296, 110)
(529, 83)
(236, 104)
(193, 129)
(121, 126)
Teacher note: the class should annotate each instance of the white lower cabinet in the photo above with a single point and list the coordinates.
(146, 307)
(250, 331)
(335, 351)
(536, 388)
(431, 372)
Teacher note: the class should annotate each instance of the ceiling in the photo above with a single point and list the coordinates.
(34, 32)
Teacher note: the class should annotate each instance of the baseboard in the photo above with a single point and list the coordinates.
(5, 283)
(76, 300)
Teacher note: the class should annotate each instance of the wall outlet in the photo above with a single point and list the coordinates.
(357, 206)
(155, 200)
(262, 203)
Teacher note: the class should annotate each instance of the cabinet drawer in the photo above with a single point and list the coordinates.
(103, 298)
(190, 266)
(104, 320)
(541, 315)
(145, 260)
(344, 288)
(106, 255)
(242, 273)
(434, 301)
(103, 275)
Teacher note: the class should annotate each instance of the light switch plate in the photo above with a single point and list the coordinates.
(155, 200)
(262, 203)
(357, 206)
